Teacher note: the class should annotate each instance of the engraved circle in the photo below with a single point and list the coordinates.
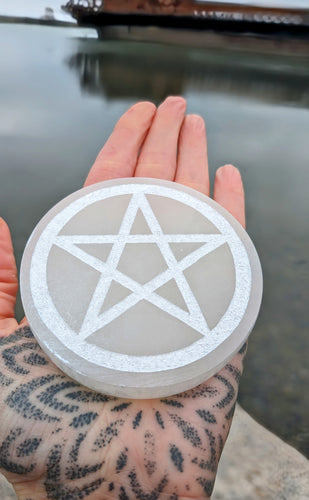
(124, 362)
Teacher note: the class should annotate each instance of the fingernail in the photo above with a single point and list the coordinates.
(144, 106)
(196, 122)
(230, 173)
(177, 100)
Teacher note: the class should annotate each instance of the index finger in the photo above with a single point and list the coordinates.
(118, 157)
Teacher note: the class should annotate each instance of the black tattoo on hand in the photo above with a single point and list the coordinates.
(99, 446)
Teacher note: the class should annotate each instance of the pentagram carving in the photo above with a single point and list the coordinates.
(108, 287)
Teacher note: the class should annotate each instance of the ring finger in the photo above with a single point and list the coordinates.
(192, 168)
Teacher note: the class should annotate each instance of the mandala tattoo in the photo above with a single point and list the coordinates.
(74, 443)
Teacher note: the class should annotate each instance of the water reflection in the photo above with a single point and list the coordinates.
(130, 71)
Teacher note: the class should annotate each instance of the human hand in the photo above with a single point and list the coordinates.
(60, 440)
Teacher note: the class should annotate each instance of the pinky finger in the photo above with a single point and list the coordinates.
(229, 192)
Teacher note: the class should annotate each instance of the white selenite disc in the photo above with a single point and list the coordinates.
(140, 288)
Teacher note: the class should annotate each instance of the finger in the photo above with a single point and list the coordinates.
(159, 152)
(8, 281)
(192, 166)
(229, 192)
(118, 156)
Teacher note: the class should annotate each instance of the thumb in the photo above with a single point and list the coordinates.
(8, 281)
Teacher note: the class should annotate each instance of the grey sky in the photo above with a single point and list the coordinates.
(33, 8)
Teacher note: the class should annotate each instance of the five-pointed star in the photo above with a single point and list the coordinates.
(93, 320)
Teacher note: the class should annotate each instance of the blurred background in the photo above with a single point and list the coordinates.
(61, 92)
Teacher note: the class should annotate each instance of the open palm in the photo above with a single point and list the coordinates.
(60, 440)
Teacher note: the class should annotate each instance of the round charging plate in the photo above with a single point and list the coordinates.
(140, 288)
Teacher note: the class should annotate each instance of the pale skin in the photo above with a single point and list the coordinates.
(62, 441)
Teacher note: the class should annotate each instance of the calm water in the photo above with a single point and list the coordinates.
(61, 92)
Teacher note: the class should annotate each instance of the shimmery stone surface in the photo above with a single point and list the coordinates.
(140, 287)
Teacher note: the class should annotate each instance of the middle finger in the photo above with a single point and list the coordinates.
(158, 157)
